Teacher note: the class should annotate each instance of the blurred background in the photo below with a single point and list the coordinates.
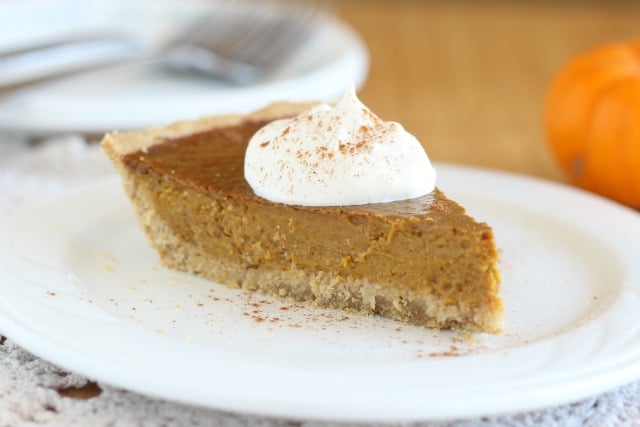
(469, 77)
(466, 77)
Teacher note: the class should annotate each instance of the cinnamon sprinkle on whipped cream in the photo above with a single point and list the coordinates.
(345, 155)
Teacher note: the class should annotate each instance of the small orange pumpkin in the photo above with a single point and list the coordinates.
(592, 121)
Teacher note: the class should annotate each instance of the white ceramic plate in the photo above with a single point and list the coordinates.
(143, 96)
(80, 287)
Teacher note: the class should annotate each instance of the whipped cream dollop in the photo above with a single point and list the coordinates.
(338, 156)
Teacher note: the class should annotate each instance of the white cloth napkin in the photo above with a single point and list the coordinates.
(28, 384)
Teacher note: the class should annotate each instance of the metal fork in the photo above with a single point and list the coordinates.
(240, 44)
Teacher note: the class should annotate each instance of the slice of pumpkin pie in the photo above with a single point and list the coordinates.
(330, 206)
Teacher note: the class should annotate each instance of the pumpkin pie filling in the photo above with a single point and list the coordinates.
(422, 261)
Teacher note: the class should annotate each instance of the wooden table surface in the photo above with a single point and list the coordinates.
(468, 78)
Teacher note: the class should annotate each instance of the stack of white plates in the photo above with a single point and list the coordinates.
(142, 96)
